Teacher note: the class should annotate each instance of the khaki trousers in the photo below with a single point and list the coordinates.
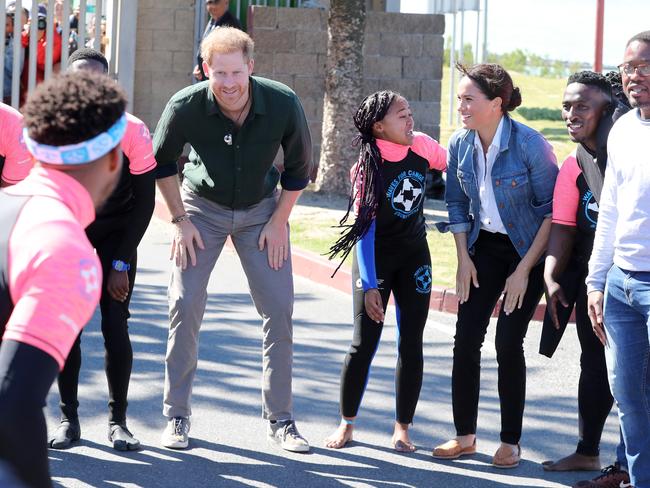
(271, 291)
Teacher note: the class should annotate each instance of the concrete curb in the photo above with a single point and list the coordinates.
(310, 265)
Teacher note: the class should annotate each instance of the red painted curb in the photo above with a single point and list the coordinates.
(310, 265)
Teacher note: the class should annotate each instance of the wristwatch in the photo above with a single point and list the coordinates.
(120, 265)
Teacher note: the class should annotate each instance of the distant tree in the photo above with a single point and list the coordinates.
(493, 58)
(575, 67)
(343, 90)
(559, 69)
(467, 57)
(446, 52)
(515, 60)
(536, 61)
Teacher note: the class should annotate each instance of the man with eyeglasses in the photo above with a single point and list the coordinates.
(619, 269)
(219, 16)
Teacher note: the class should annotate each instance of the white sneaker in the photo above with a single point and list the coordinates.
(176, 434)
(284, 433)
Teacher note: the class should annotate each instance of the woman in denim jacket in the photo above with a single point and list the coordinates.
(499, 195)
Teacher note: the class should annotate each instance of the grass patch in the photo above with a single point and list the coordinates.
(313, 236)
(443, 258)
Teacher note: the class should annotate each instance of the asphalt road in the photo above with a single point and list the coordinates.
(228, 445)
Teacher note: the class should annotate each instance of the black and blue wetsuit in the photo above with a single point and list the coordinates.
(393, 256)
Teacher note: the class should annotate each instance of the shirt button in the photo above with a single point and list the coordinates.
(497, 182)
(521, 243)
(502, 205)
(237, 146)
(514, 183)
(510, 225)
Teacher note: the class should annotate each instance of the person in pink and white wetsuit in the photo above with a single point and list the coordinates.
(50, 277)
(15, 160)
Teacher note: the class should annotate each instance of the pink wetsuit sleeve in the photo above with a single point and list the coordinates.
(18, 161)
(429, 149)
(566, 195)
(55, 283)
(137, 146)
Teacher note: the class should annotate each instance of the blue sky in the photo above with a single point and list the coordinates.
(559, 29)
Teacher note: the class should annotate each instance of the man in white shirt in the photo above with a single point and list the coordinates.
(619, 268)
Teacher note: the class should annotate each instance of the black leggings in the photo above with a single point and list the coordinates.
(495, 259)
(26, 375)
(118, 357)
(407, 273)
(594, 397)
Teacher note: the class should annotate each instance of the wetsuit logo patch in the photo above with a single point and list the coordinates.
(89, 278)
(423, 279)
(591, 208)
(406, 193)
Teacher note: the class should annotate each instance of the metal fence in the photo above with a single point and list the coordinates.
(114, 35)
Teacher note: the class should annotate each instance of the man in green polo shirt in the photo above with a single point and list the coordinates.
(235, 123)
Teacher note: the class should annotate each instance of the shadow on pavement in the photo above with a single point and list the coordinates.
(227, 386)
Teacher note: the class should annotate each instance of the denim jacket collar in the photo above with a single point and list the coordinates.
(470, 135)
(523, 178)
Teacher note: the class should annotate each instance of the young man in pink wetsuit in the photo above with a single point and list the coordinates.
(15, 160)
(50, 277)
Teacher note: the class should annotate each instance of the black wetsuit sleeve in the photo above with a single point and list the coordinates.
(144, 195)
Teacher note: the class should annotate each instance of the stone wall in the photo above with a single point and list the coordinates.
(164, 57)
(402, 52)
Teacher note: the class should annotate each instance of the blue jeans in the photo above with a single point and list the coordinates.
(627, 322)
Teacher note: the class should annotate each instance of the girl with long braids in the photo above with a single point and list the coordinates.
(390, 255)
(499, 197)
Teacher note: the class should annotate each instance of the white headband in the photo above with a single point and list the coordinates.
(82, 152)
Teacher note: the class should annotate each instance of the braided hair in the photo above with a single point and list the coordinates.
(618, 93)
(367, 185)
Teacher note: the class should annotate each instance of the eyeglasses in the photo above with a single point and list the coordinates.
(641, 69)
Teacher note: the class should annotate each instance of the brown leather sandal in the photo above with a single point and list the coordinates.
(453, 450)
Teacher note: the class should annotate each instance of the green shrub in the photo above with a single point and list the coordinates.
(540, 113)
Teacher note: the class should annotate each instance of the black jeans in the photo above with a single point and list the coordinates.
(495, 259)
(26, 375)
(118, 358)
(404, 272)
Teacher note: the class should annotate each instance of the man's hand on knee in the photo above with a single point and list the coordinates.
(275, 237)
(185, 234)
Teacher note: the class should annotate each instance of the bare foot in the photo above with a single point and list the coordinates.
(401, 441)
(573, 462)
(341, 436)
